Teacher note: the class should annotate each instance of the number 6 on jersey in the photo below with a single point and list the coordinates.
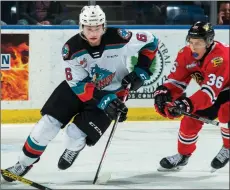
(68, 73)
(141, 37)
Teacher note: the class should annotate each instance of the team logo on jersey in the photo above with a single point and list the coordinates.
(217, 61)
(198, 77)
(124, 33)
(65, 51)
(161, 66)
(101, 77)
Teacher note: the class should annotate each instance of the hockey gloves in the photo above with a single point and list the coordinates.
(136, 78)
(162, 95)
(175, 109)
(111, 105)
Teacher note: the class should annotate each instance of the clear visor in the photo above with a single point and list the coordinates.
(196, 42)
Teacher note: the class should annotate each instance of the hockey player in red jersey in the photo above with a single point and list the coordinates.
(207, 62)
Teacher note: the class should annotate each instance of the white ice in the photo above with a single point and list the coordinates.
(132, 158)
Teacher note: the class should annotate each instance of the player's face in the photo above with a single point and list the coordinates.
(93, 34)
(197, 46)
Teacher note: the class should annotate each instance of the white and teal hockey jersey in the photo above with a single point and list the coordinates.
(103, 67)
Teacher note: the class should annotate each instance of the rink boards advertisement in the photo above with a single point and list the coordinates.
(41, 60)
(14, 67)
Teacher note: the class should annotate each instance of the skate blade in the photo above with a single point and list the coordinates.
(213, 170)
(175, 169)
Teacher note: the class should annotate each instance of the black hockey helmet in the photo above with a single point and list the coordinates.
(201, 30)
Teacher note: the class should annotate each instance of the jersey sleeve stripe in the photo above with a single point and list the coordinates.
(150, 54)
(208, 90)
(178, 84)
(151, 46)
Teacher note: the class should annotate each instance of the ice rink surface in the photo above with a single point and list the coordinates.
(132, 159)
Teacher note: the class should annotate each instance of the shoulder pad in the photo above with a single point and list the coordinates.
(73, 45)
(117, 35)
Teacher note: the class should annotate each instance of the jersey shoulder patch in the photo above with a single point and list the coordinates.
(73, 45)
(65, 51)
(117, 36)
(217, 61)
(125, 34)
(216, 57)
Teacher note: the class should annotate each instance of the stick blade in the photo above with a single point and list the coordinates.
(103, 179)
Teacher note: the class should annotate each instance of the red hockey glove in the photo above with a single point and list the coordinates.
(174, 109)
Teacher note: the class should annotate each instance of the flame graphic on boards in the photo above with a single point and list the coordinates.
(14, 82)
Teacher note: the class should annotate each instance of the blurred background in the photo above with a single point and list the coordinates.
(117, 12)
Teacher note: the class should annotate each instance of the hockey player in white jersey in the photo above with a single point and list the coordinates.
(96, 78)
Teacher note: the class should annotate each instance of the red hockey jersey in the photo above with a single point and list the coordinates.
(212, 74)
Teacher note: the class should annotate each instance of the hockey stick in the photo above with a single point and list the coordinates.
(23, 180)
(109, 141)
(205, 120)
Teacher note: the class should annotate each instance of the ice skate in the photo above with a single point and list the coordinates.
(67, 159)
(221, 159)
(173, 163)
(18, 169)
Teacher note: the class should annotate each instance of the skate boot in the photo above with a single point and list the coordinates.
(19, 170)
(221, 159)
(67, 159)
(173, 163)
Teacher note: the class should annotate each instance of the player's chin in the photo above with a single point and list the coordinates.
(93, 41)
